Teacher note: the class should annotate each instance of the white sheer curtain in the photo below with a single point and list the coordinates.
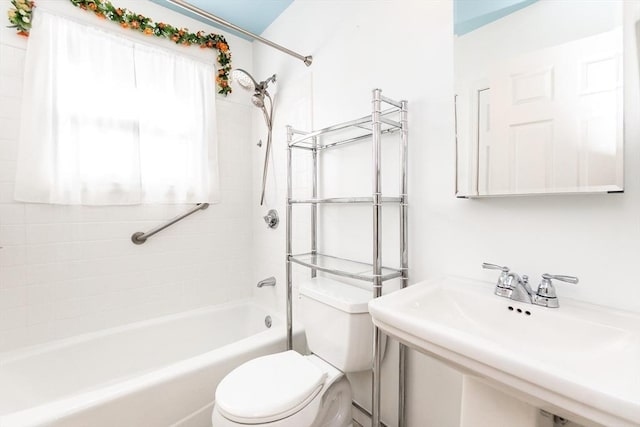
(106, 120)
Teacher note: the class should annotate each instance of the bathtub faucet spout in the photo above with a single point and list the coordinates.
(269, 281)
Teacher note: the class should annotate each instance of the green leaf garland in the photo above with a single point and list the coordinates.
(20, 18)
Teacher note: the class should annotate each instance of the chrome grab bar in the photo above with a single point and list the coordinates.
(140, 237)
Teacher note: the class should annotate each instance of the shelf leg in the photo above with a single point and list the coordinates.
(404, 252)
(314, 208)
(289, 296)
(377, 253)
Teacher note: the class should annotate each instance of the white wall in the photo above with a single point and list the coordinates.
(68, 270)
(405, 47)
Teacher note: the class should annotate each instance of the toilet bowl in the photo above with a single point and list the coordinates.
(284, 390)
(291, 390)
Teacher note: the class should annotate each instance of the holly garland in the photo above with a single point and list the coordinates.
(20, 17)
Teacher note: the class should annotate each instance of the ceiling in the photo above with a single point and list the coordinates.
(469, 15)
(252, 15)
(256, 15)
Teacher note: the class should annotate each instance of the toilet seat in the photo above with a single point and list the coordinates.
(281, 384)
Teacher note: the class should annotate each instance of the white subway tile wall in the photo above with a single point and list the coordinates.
(66, 270)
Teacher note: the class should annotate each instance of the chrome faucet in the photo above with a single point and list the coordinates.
(269, 281)
(511, 285)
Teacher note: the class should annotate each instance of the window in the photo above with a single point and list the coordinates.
(106, 120)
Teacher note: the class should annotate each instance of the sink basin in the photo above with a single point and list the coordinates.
(580, 361)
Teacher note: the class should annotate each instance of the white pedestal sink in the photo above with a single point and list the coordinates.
(580, 361)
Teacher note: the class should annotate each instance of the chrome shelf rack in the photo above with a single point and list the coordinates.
(392, 119)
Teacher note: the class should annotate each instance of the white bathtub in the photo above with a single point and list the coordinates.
(161, 372)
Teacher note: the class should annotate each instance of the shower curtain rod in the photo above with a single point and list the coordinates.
(191, 8)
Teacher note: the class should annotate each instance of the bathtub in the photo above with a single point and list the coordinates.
(161, 372)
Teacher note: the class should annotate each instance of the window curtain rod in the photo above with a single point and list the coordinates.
(183, 4)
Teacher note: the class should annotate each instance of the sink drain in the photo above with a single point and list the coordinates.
(268, 322)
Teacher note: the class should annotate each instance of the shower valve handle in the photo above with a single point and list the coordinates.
(272, 219)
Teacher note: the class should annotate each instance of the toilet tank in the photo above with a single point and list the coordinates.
(337, 323)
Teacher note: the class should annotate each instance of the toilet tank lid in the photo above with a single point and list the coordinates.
(340, 295)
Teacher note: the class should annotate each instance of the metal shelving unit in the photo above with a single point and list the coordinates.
(392, 119)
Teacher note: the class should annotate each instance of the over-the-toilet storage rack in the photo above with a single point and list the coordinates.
(392, 118)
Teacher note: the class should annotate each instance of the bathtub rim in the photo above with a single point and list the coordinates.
(34, 350)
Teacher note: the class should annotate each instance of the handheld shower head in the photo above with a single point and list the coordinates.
(258, 100)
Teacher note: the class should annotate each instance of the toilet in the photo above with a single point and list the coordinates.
(292, 390)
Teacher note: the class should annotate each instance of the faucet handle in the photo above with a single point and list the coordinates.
(503, 288)
(489, 266)
(562, 278)
(546, 288)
